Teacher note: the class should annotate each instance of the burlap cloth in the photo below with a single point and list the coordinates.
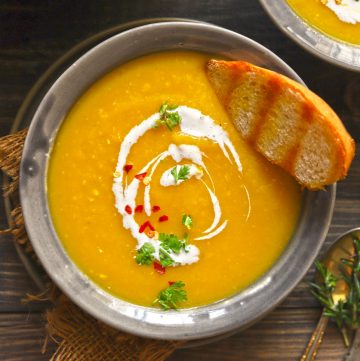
(79, 336)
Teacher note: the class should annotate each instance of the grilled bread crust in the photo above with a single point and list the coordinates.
(290, 125)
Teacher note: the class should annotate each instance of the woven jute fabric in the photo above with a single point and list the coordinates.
(79, 336)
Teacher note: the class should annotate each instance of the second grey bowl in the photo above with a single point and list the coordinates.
(314, 41)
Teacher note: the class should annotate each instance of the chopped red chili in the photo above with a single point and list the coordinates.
(156, 209)
(145, 225)
(139, 208)
(159, 268)
(163, 218)
(151, 226)
(127, 167)
(141, 176)
(171, 282)
(142, 227)
(128, 209)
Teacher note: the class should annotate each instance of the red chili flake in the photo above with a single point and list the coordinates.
(139, 208)
(145, 225)
(151, 226)
(163, 218)
(128, 209)
(156, 209)
(127, 167)
(141, 176)
(171, 283)
(159, 268)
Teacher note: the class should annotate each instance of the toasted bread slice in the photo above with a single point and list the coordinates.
(290, 125)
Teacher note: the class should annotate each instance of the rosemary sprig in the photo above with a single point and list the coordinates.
(345, 312)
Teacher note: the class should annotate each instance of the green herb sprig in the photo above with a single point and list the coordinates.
(168, 116)
(170, 297)
(182, 174)
(345, 313)
(187, 221)
(145, 255)
(171, 242)
(165, 259)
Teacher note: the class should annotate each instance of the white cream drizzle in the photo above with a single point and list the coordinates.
(217, 211)
(186, 151)
(348, 11)
(202, 126)
(213, 234)
(195, 124)
(147, 203)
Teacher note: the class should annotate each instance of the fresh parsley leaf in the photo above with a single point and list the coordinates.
(168, 116)
(166, 107)
(182, 174)
(145, 255)
(172, 120)
(163, 108)
(171, 242)
(174, 174)
(171, 296)
(187, 221)
(165, 258)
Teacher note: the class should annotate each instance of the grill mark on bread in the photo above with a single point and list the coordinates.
(235, 81)
(232, 81)
(273, 89)
(307, 114)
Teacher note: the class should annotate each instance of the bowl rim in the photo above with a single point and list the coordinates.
(309, 38)
(236, 312)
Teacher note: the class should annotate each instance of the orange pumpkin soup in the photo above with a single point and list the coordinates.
(341, 21)
(143, 192)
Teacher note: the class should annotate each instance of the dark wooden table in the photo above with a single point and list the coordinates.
(33, 34)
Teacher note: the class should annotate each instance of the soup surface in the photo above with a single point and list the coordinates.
(322, 18)
(253, 204)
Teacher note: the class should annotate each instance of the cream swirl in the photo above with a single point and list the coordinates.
(195, 124)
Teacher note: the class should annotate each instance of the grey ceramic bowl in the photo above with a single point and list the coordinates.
(319, 44)
(233, 313)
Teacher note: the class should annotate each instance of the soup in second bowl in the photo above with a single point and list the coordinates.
(339, 19)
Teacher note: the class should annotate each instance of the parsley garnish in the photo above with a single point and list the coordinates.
(171, 242)
(182, 174)
(165, 258)
(171, 296)
(168, 116)
(187, 221)
(345, 312)
(145, 255)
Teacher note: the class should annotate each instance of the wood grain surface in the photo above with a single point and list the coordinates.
(33, 34)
